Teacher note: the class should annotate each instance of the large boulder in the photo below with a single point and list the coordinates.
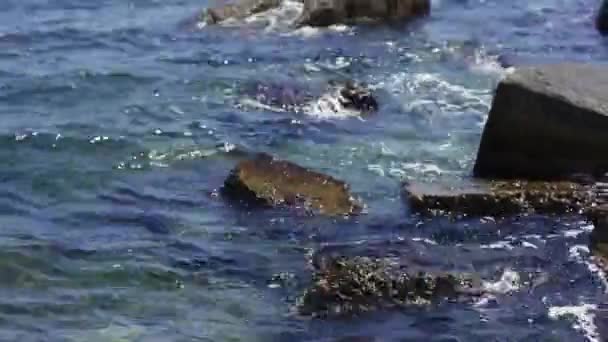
(601, 21)
(329, 12)
(239, 10)
(354, 285)
(547, 122)
(268, 181)
(498, 198)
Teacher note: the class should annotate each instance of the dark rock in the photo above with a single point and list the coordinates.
(329, 12)
(547, 122)
(599, 236)
(267, 181)
(601, 21)
(347, 286)
(293, 97)
(357, 97)
(499, 197)
(239, 10)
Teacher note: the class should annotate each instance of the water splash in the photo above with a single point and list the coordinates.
(583, 319)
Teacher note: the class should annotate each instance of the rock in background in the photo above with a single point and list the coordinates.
(330, 12)
(547, 122)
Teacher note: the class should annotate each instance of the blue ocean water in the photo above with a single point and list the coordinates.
(121, 119)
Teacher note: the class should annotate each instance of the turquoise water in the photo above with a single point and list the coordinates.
(121, 119)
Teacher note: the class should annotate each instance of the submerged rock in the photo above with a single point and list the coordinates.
(547, 122)
(330, 12)
(499, 197)
(352, 285)
(601, 21)
(268, 181)
(239, 10)
(349, 96)
(599, 236)
(357, 97)
(275, 96)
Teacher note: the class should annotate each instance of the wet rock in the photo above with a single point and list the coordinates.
(239, 10)
(498, 198)
(330, 12)
(547, 122)
(357, 97)
(268, 181)
(291, 97)
(601, 21)
(599, 236)
(353, 285)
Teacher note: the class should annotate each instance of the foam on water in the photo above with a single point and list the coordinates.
(508, 282)
(583, 319)
(581, 254)
(329, 106)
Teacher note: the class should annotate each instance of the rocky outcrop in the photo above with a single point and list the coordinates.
(239, 10)
(268, 181)
(601, 21)
(499, 198)
(354, 285)
(330, 12)
(547, 122)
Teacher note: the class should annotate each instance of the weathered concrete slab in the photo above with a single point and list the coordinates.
(498, 198)
(547, 121)
(268, 181)
(330, 12)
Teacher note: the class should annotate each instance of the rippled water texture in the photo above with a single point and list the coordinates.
(120, 120)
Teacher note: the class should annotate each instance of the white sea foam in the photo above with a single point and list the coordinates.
(581, 254)
(329, 106)
(508, 282)
(584, 317)
(498, 245)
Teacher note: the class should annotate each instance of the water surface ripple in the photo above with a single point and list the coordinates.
(120, 120)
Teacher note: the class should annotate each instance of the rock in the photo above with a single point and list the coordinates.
(239, 10)
(601, 21)
(599, 236)
(292, 97)
(330, 12)
(498, 198)
(353, 285)
(357, 97)
(547, 122)
(267, 181)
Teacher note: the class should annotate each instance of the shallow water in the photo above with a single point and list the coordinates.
(120, 120)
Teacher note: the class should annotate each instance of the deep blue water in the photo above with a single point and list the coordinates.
(120, 121)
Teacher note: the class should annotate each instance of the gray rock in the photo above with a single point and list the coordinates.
(548, 121)
(239, 10)
(329, 12)
(601, 21)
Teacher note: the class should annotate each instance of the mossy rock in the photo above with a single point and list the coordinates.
(355, 285)
(264, 180)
